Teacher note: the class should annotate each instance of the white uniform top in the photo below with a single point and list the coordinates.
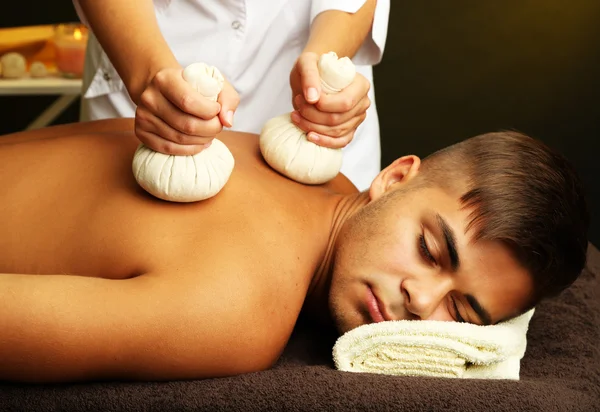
(254, 43)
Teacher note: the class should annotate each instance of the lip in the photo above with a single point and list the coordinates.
(374, 306)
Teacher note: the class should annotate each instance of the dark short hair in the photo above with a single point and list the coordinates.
(525, 195)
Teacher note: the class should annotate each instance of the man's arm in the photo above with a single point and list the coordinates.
(341, 32)
(129, 32)
(58, 328)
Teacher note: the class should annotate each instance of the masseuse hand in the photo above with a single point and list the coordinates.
(173, 118)
(329, 120)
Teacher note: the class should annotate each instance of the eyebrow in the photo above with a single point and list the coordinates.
(450, 240)
(483, 314)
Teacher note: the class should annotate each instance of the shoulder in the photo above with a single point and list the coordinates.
(342, 185)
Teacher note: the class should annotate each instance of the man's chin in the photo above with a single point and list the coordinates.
(346, 312)
(345, 321)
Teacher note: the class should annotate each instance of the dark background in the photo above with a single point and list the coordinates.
(451, 70)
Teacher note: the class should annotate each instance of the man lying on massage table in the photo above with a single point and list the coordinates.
(102, 281)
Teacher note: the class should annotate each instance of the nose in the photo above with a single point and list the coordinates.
(423, 295)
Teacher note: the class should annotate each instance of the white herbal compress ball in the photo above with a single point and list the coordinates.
(285, 146)
(14, 65)
(187, 178)
(38, 70)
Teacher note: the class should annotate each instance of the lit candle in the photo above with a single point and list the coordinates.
(70, 42)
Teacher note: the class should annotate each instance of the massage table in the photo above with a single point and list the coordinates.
(560, 372)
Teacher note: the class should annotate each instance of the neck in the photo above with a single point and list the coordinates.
(317, 298)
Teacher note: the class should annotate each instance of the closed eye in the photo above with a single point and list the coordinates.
(456, 312)
(425, 250)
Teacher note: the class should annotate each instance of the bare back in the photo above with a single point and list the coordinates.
(70, 205)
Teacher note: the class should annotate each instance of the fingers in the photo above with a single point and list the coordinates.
(158, 144)
(335, 137)
(175, 119)
(171, 85)
(332, 120)
(311, 112)
(331, 142)
(309, 76)
(229, 100)
(184, 123)
(161, 137)
(346, 99)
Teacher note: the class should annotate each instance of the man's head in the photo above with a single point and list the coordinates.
(479, 231)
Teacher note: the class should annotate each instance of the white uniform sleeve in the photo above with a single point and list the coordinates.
(371, 51)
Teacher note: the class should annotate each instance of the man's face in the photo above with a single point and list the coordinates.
(406, 256)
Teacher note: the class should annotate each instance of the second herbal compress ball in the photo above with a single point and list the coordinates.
(285, 147)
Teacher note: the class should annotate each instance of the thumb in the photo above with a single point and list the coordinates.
(309, 77)
(229, 100)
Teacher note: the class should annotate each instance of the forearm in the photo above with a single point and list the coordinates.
(130, 36)
(341, 32)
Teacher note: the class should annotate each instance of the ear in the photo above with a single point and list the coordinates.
(401, 171)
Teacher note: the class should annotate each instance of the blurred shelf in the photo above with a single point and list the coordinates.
(43, 86)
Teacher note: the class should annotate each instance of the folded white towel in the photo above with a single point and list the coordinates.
(435, 348)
